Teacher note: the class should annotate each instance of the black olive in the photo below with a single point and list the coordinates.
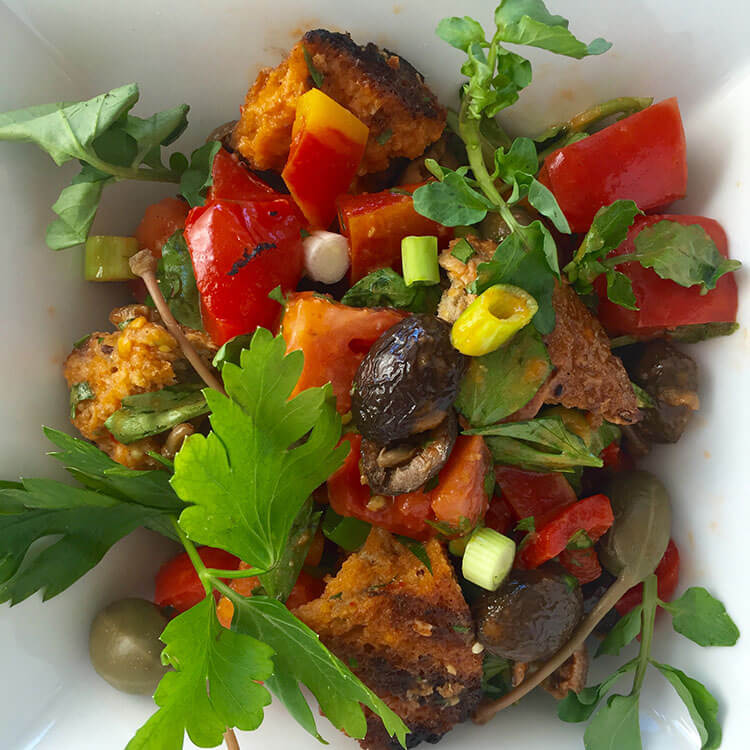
(670, 377)
(406, 466)
(531, 615)
(408, 380)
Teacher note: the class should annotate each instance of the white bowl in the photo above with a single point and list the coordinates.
(206, 53)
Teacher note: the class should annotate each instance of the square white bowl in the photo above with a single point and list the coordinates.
(206, 53)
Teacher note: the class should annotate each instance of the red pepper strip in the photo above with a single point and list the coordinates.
(641, 157)
(177, 583)
(667, 575)
(615, 459)
(500, 515)
(593, 515)
(240, 253)
(233, 181)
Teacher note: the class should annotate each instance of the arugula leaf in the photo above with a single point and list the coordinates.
(177, 282)
(703, 619)
(198, 176)
(463, 250)
(623, 633)
(451, 201)
(576, 707)
(79, 392)
(620, 290)
(542, 444)
(505, 380)
(386, 288)
(348, 532)
(529, 22)
(460, 32)
(615, 725)
(233, 475)
(146, 414)
(701, 705)
(302, 658)
(215, 684)
(683, 254)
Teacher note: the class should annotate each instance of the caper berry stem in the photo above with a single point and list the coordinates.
(488, 709)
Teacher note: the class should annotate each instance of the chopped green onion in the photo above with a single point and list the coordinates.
(419, 258)
(348, 533)
(107, 258)
(488, 558)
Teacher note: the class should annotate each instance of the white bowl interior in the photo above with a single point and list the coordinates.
(206, 54)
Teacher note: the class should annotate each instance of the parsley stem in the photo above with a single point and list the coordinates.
(647, 631)
(192, 553)
(132, 173)
(243, 573)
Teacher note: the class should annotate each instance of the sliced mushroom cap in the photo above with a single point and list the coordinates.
(403, 467)
(407, 382)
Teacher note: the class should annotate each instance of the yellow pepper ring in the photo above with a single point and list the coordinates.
(492, 319)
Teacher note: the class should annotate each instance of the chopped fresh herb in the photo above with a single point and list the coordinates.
(461, 629)
(643, 398)
(231, 350)
(349, 533)
(571, 582)
(386, 288)
(579, 540)
(177, 282)
(315, 74)
(496, 675)
(79, 392)
(277, 295)
(463, 250)
(526, 524)
(417, 549)
(384, 137)
(80, 343)
(304, 233)
(337, 595)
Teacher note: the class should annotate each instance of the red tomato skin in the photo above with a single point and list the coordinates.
(533, 493)
(641, 157)
(233, 181)
(304, 590)
(663, 303)
(592, 514)
(500, 515)
(334, 339)
(581, 563)
(160, 221)
(177, 583)
(615, 459)
(240, 253)
(667, 576)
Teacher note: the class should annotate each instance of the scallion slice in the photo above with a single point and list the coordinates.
(419, 258)
(488, 558)
(107, 258)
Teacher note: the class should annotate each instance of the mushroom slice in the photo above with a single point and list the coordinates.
(406, 466)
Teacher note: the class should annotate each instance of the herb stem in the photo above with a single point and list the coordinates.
(243, 573)
(195, 558)
(647, 631)
(132, 173)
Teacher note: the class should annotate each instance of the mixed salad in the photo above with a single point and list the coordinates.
(386, 378)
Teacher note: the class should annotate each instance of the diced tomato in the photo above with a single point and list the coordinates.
(641, 157)
(240, 253)
(377, 222)
(177, 583)
(459, 499)
(667, 576)
(160, 221)
(533, 493)
(500, 515)
(327, 146)
(592, 515)
(334, 339)
(233, 181)
(663, 303)
(615, 459)
(581, 563)
(304, 590)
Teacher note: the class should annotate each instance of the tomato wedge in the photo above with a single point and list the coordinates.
(663, 303)
(160, 221)
(532, 493)
(641, 157)
(334, 339)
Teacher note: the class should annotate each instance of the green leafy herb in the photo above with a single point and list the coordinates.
(623, 633)
(542, 444)
(417, 549)
(349, 533)
(526, 524)
(217, 682)
(496, 675)
(386, 288)
(232, 476)
(452, 200)
(615, 725)
(701, 618)
(198, 177)
(692, 334)
(463, 250)
(231, 350)
(505, 380)
(579, 540)
(315, 74)
(277, 295)
(146, 414)
(384, 137)
(177, 281)
(79, 392)
(576, 707)
(643, 398)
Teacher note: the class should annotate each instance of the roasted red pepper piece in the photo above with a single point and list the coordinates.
(593, 515)
(641, 157)
(582, 563)
(663, 303)
(377, 222)
(160, 221)
(327, 146)
(667, 576)
(233, 181)
(533, 493)
(177, 583)
(334, 339)
(240, 253)
(500, 515)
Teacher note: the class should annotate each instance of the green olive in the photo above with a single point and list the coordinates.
(124, 645)
(640, 533)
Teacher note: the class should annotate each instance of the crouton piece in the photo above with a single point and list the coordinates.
(379, 87)
(143, 356)
(588, 376)
(406, 632)
(456, 298)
